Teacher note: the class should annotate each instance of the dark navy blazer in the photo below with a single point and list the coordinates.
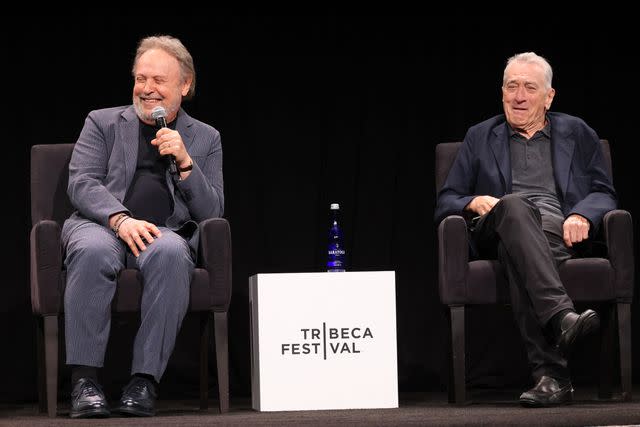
(483, 168)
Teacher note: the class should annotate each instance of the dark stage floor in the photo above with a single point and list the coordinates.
(487, 408)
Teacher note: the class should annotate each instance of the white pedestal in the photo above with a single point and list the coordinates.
(323, 341)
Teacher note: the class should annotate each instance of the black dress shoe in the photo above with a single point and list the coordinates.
(87, 400)
(138, 398)
(574, 327)
(548, 392)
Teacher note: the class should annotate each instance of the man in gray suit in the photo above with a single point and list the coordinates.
(134, 210)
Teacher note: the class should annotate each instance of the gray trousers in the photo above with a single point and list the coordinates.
(513, 231)
(94, 257)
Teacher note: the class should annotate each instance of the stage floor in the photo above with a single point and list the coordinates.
(487, 408)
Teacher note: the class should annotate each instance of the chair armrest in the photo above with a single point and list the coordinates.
(46, 267)
(453, 260)
(215, 257)
(618, 231)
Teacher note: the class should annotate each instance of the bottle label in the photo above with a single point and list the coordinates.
(336, 253)
(335, 265)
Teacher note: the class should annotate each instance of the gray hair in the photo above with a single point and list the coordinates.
(175, 48)
(531, 58)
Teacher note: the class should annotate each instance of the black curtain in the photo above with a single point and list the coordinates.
(313, 110)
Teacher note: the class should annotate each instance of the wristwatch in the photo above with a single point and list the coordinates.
(186, 168)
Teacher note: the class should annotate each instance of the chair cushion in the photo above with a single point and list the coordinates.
(585, 279)
(588, 279)
(486, 283)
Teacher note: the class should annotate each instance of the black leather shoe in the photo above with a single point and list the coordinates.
(138, 398)
(574, 327)
(87, 400)
(548, 392)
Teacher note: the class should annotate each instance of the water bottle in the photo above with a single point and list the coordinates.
(336, 253)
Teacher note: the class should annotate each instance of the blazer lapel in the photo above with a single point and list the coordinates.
(500, 147)
(129, 134)
(184, 123)
(184, 127)
(563, 144)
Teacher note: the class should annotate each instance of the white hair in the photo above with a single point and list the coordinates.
(531, 58)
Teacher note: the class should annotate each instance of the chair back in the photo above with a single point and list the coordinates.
(49, 179)
(446, 153)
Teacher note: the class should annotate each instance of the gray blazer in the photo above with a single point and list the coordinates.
(104, 161)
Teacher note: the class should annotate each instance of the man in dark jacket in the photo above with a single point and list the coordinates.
(536, 185)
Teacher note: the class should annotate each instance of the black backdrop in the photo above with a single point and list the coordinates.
(312, 110)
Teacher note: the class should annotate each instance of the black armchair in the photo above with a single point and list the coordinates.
(210, 283)
(608, 280)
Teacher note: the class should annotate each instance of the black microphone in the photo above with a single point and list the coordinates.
(160, 114)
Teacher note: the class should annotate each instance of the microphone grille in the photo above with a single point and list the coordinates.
(158, 112)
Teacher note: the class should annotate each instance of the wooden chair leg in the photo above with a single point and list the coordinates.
(451, 390)
(222, 358)
(624, 337)
(51, 362)
(205, 320)
(458, 381)
(607, 341)
(42, 384)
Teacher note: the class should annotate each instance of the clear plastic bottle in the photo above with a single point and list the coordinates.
(336, 255)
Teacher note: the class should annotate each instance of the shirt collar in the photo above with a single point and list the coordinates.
(546, 130)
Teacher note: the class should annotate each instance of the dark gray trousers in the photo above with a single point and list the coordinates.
(513, 232)
(94, 256)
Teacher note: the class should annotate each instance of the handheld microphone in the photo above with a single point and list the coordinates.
(159, 114)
